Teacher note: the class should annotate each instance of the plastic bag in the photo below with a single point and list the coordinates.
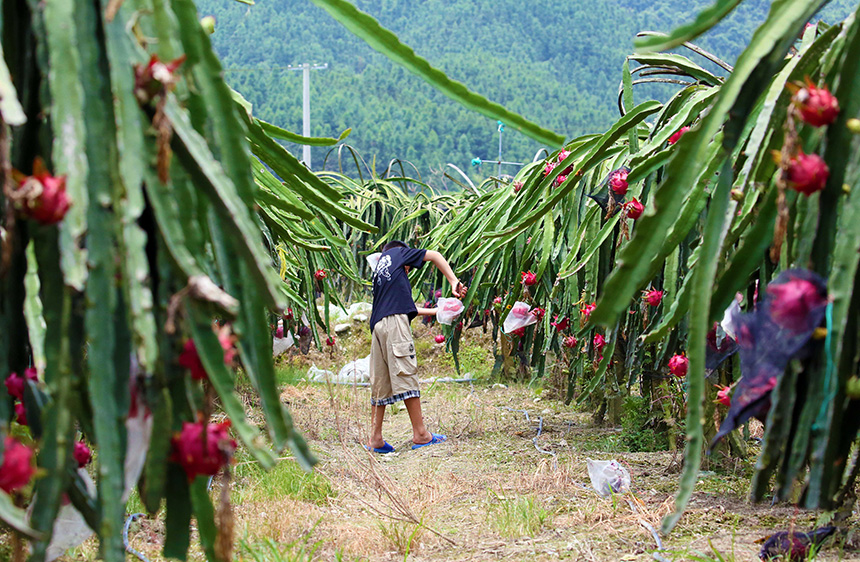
(608, 477)
(373, 259)
(448, 310)
(315, 374)
(520, 316)
(355, 371)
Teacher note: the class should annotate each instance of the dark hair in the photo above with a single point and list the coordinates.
(394, 244)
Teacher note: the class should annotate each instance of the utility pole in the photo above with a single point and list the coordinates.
(478, 161)
(306, 103)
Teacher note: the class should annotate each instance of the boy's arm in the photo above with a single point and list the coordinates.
(442, 265)
(425, 311)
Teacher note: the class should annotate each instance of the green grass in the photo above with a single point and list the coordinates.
(267, 550)
(473, 359)
(519, 517)
(288, 375)
(287, 479)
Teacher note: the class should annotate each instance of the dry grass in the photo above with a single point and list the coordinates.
(486, 494)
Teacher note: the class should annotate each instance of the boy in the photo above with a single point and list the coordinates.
(392, 351)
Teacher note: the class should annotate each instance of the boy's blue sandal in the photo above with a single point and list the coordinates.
(385, 449)
(436, 439)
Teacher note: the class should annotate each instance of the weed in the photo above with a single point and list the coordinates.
(286, 479)
(641, 433)
(401, 534)
(289, 375)
(519, 517)
(268, 550)
(474, 359)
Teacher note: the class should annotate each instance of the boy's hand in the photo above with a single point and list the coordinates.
(459, 290)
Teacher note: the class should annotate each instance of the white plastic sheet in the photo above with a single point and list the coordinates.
(520, 316)
(448, 310)
(608, 477)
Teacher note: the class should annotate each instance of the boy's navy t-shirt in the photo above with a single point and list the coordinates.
(392, 293)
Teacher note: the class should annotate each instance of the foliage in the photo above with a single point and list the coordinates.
(173, 225)
(555, 63)
(638, 428)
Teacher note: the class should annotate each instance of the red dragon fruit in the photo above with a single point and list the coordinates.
(528, 278)
(653, 297)
(678, 365)
(17, 468)
(43, 197)
(82, 454)
(618, 181)
(677, 135)
(635, 209)
(815, 106)
(203, 448)
(807, 173)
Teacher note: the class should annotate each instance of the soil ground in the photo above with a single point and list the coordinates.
(496, 490)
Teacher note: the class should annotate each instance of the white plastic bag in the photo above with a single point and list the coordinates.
(315, 374)
(355, 371)
(373, 259)
(520, 316)
(448, 310)
(608, 477)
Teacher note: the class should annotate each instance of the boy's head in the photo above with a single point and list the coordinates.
(394, 244)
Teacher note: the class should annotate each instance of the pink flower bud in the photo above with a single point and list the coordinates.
(288, 315)
(599, 343)
(497, 300)
(202, 448)
(653, 298)
(82, 454)
(563, 154)
(815, 106)
(723, 396)
(677, 136)
(678, 366)
(791, 303)
(279, 333)
(635, 209)
(320, 274)
(17, 468)
(518, 185)
(330, 341)
(589, 308)
(569, 342)
(560, 325)
(15, 383)
(549, 167)
(154, 78)
(539, 313)
(439, 338)
(521, 332)
(807, 173)
(43, 197)
(618, 181)
(559, 180)
(21, 413)
(528, 278)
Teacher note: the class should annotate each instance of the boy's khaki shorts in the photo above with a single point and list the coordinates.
(392, 361)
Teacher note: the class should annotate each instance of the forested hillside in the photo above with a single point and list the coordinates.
(557, 63)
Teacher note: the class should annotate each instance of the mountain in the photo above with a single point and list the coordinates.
(557, 63)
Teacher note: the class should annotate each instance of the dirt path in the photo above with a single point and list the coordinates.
(489, 493)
